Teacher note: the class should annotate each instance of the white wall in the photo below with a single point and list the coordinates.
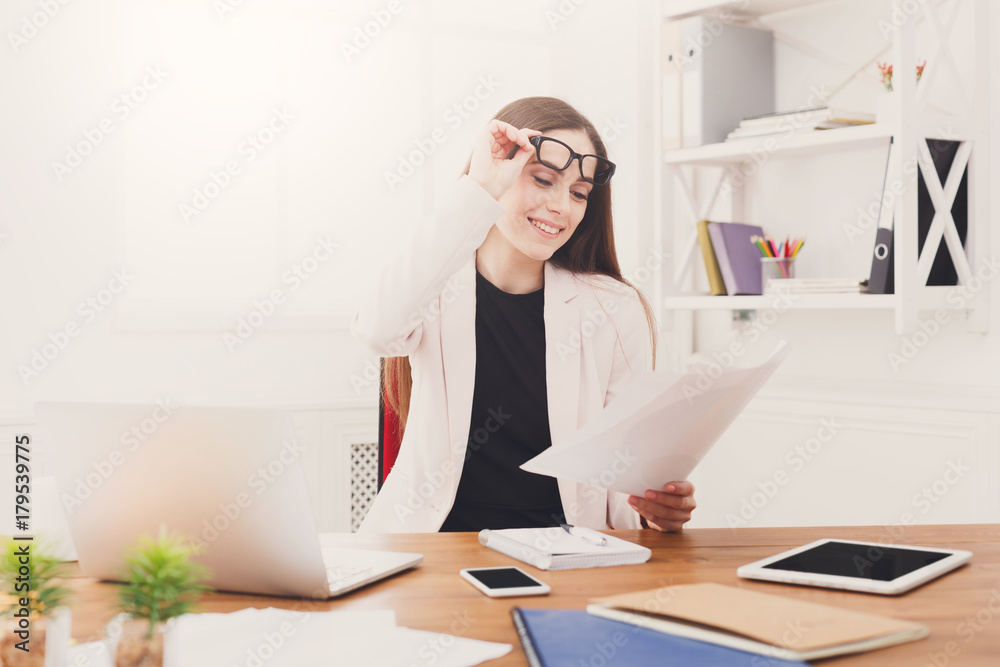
(192, 275)
(323, 176)
(357, 107)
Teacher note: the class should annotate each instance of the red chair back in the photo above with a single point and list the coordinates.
(388, 433)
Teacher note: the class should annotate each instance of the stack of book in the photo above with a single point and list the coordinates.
(704, 624)
(815, 285)
(798, 121)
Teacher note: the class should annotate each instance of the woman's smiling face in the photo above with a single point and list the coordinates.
(544, 206)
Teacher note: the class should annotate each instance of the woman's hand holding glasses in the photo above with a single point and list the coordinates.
(490, 166)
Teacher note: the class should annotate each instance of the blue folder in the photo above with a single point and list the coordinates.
(572, 637)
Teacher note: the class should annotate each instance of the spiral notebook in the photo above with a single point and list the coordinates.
(555, 549)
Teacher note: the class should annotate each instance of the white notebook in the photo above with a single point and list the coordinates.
(555, 549)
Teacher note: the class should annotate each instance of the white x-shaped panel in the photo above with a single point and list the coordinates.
(943, 55)
(943, 224)
(690, 203)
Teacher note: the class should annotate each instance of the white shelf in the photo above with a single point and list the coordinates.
(778, 302)
(909, 122)
(928, 298)
(737, 9)
(743, 150)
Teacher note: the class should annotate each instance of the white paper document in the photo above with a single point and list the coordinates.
(284, 638)
(287, 638)
(657, 429)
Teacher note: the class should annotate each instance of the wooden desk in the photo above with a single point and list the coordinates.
(962, 609)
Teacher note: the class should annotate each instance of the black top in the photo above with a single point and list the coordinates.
(510, 418)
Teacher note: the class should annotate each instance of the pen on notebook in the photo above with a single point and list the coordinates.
(585, 534)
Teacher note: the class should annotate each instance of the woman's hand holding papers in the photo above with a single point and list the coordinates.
(667, 510)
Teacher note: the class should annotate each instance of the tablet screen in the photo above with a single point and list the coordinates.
(863, 561)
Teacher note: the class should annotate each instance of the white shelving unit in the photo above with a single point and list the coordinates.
(912, 124)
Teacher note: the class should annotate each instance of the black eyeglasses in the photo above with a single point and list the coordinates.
(554, 154)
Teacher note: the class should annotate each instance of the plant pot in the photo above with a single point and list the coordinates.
(48, 640)
(130, 642)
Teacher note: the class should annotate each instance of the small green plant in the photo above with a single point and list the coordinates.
(161, 580)
(30, 573)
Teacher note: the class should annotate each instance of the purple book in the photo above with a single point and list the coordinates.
(739, 258)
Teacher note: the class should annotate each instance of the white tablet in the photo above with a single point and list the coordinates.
(868, 567)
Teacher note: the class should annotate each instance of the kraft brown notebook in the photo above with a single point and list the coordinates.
(771, 625)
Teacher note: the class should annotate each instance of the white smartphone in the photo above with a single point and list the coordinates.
(504, 582)
(850, 565)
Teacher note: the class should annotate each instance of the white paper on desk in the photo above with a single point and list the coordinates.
(657, 429)
(405, 647)
(275, 637)
(91, 654)
(285, 638)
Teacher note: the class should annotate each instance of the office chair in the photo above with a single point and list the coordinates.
(388, 430)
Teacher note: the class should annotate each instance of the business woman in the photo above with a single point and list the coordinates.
(509, 326)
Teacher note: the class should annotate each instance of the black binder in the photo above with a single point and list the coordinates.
(943, 270)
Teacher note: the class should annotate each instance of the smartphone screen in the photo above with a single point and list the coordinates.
(507, 577)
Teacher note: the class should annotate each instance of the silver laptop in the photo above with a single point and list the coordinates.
(231, 478)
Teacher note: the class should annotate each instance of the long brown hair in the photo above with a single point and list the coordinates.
(591, 248)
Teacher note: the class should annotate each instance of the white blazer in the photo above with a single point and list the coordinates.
(424, 307)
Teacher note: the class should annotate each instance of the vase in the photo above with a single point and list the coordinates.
(885, 108)
(47, 637)
(130, 643)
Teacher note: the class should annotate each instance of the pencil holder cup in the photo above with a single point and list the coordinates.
(776, 267)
